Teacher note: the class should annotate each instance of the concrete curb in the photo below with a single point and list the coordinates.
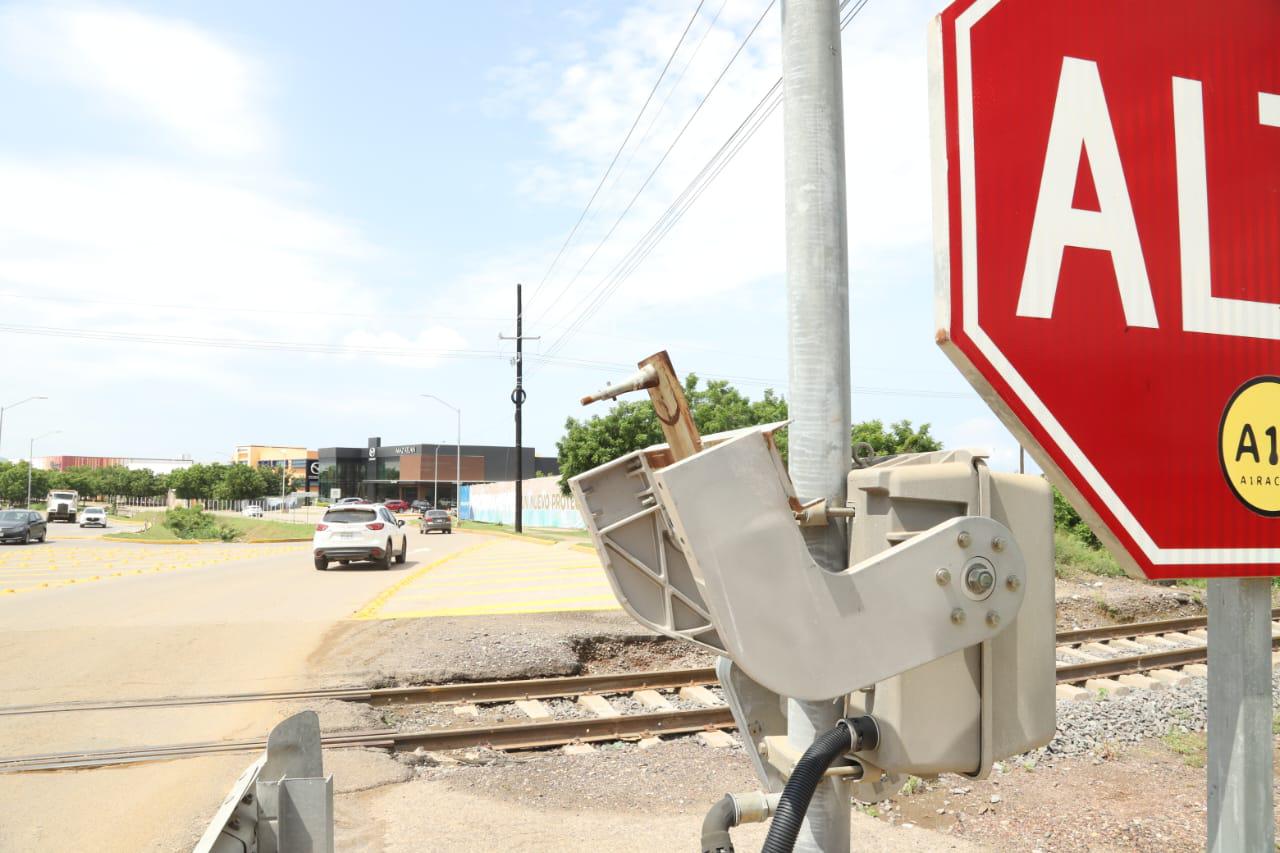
(122, 538)
(111, 537)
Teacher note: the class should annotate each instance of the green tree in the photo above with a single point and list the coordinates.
(79, 479)
(113, 481)
(240, 482)
(13, 483)
(900, 437)
(1066, 519)
(197, 481)
(144, 483)
(631, 425)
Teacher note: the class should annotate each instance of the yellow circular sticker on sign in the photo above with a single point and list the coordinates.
(1247, 444)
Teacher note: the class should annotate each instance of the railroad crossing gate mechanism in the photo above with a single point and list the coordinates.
(941, 629)
(1107, 231)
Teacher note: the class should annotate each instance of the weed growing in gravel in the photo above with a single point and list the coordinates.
(913, 785)
(1190, 745)
(1275, 725)
(869, 810)
(1074, 557)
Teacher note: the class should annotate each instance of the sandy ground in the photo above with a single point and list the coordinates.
(274, 622)
(619, 798)
(232, 626)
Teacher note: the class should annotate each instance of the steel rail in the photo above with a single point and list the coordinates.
(536, 688)
(480, 691)
(513, 736)
(1111, 667)
(1137, 629)
(504, 736)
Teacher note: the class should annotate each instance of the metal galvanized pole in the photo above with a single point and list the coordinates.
(519, 401)
(818, 335)
(457, 482)
(1241, 815)
(31, 453)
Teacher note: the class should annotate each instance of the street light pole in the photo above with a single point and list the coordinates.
(457, 483)
(31, 453)
(435, 482)
(10, 406)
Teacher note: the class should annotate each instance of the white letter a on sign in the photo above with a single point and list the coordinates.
(1081, 119)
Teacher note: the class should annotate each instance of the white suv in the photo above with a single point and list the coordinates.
(359, 532)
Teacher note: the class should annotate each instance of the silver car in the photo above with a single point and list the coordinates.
(93, 516)
(436, 519)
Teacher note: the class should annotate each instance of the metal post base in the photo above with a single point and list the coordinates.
(1241, 815)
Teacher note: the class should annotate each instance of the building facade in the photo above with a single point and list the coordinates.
(298, 461)
(133, 463)
(420, 471)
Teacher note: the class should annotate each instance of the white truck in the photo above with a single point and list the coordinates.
(61, 505)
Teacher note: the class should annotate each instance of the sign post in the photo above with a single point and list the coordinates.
(1107, 232)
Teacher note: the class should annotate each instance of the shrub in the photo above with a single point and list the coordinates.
(1073, 556)
(193, 523)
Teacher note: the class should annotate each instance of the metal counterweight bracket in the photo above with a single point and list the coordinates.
(804, 632)
(283, 802)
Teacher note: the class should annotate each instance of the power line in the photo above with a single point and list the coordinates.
(618, 153)
(742, 46)
(223, 309)
(671, 91)
(643, 247)
(105, 336)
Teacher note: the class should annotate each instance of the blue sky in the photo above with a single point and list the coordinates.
(373, 182)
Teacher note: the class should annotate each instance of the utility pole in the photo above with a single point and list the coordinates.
(518, 398)
(818, 339)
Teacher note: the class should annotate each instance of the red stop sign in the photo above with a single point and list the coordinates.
(1107, 180)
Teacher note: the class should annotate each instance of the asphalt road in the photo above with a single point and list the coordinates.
(194, 620)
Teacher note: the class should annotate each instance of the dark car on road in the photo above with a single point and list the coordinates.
(22, 525)
(436, 519)
(420, 505)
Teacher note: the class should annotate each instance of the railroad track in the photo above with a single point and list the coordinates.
(1084, 655)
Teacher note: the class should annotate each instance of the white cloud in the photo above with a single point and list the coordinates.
(733, 237)
(136, 233)
(168, 72)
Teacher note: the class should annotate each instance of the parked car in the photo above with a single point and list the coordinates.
(358, 532)
(252, 511)
(22, 525)
(436, 519)
(352, 500)
(93, 516)
(396, 505)
(420, 505)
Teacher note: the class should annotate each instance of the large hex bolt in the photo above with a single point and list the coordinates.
(979, 579)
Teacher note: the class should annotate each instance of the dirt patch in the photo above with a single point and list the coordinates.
(387, 652)
(1089, 601)
(603, 653)
(1149, 797)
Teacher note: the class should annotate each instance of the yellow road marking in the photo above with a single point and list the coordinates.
(370, 610)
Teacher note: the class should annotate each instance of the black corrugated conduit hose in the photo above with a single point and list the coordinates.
(849, 735)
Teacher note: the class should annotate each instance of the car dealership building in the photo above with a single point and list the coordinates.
(410, 472)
